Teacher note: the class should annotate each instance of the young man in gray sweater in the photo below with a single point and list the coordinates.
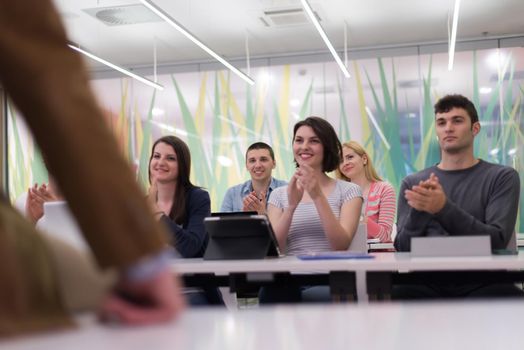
(461, 195)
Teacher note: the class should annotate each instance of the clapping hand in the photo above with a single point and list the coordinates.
(427, 196)
(295, 191)
(253, 202)
(152, 199)
(307, 180)
(36, 197)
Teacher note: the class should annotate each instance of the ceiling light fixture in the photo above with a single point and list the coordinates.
(317, 25)
(120, 69)
(345, 43)
(453, 35)
(162, 14)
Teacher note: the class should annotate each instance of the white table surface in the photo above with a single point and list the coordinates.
(401, 262)
(465, 325)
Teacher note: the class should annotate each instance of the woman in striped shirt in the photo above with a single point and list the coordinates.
(315, 212)
(379, 196)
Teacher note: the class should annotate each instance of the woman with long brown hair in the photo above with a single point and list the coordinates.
(181, 206)
(176, 202)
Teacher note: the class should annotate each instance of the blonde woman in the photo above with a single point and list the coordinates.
(379, 196)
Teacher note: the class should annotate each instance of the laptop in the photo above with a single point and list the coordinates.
(59, 222)
(240, 237)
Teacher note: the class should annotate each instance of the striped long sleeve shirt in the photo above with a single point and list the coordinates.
(380, 209)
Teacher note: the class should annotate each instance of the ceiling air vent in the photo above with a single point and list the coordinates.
(287, 17)
(123, 15)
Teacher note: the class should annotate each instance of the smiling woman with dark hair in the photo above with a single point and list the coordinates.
(181, 206)
(178, 203)
(315, 212)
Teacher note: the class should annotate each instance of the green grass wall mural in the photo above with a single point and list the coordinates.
(218, 116)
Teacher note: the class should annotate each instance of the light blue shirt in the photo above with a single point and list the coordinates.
(235, 195)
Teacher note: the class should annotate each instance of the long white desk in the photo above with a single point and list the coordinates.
(387, 263)
(402, 262)
(466, 325)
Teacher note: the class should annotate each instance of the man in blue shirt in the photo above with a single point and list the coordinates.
(253, 194)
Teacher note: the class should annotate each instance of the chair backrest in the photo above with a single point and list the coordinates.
(394, 232)
(360, 239)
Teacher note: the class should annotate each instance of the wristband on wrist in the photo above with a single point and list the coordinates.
(149, 267)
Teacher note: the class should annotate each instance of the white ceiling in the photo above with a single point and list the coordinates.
(224, 24)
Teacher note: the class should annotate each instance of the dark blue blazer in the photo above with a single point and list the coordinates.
(190, 238)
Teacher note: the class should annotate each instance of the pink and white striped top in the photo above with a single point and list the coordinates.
(380, 210)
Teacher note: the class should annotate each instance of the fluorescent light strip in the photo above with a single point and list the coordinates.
(453, 35)
(375, 124)
(317, 25)
(120, 69)
(160, 13)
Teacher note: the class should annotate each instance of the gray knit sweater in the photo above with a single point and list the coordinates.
(481, 200)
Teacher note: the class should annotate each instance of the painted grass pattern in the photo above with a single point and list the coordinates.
(219, 128)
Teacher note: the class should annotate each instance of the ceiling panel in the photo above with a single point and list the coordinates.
(224, 25)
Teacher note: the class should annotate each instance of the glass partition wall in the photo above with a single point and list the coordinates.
(387, 105)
